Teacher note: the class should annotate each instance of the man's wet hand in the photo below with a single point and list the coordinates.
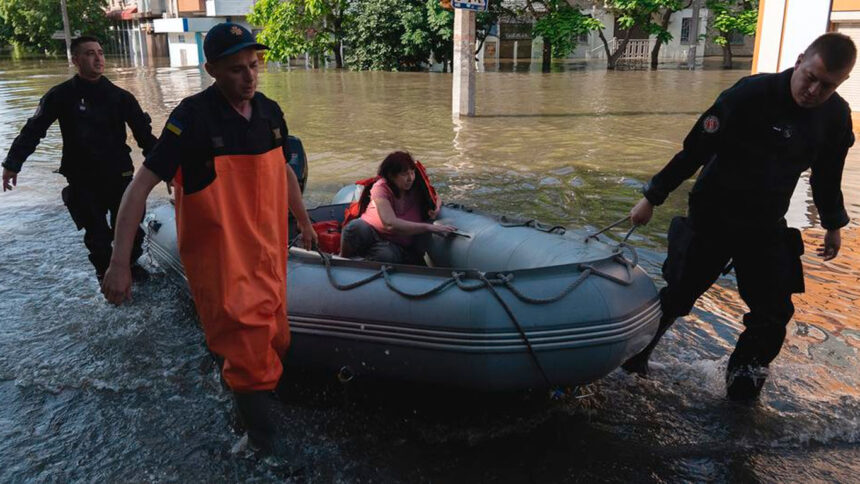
(10, 179)
(641, 214)
(116, 285)
(832, 243)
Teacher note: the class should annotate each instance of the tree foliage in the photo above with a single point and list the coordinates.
(487, 19)
(294, 27)
(397, 34)
(440, 25)
(562, 25)
(30, 23)
(731, 16)
(629, 14)
(664, 15)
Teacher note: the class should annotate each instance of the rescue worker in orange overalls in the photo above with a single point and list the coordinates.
(225, 150)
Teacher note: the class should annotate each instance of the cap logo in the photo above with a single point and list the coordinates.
(711, 124)
(235, 30)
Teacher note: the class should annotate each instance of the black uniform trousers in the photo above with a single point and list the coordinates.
(94, 207)
(768, 269)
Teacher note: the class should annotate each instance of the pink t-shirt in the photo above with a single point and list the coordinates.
(407, 207)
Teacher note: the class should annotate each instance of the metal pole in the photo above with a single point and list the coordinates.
(66, 30)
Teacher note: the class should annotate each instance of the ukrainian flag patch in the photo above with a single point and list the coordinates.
(174, 127)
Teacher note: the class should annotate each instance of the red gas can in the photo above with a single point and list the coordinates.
(328, 233)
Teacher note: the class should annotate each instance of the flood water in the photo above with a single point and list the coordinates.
(90, 392)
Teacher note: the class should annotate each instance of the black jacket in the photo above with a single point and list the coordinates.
(205, 126)
(92, 118)
(754, 143)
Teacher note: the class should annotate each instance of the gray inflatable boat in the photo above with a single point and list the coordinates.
(506, 306)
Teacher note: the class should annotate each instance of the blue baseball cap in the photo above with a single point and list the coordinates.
(226, 39)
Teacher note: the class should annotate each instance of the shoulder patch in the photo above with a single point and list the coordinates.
(711, 124)
(174, 126)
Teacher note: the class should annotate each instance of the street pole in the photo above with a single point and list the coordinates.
(694, 36)
(66, 30)
(463, 95)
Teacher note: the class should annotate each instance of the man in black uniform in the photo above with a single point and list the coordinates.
(93, 113)
(752, 145)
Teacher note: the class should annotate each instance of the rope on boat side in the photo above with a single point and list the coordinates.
(458, 279)
(489, 285)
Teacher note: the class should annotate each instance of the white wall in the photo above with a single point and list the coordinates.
(803, 21)
(228, 7)
(674, 50)
(179, 43)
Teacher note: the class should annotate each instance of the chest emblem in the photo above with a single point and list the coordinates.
(785, 131)
(711, 124)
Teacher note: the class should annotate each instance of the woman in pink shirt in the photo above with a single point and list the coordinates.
(396, 214)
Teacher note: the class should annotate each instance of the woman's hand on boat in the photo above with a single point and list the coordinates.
(441, 228)
(116, 285)
(643, 211)
(309, 236)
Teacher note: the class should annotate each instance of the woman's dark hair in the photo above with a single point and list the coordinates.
(393, 165)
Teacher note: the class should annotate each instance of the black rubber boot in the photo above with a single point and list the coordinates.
(255, 412)
(744, 382)
(638, 364)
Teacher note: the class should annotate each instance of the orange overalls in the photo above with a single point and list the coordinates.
(233, 238)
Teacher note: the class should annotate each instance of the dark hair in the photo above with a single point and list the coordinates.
(393, 165)
(836, 50)
(82, 40)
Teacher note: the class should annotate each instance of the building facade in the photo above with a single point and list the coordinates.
(511, 38)
(132, 32)
(186, 31)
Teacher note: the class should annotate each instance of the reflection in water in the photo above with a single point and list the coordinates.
(91, 392)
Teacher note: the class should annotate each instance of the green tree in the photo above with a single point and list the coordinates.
(559, 27)
(390, 35)
(485, 21)
(630, 14)
(663, 37)
(440, 25)
(294, 27)
(30, 23)
(730, 16)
